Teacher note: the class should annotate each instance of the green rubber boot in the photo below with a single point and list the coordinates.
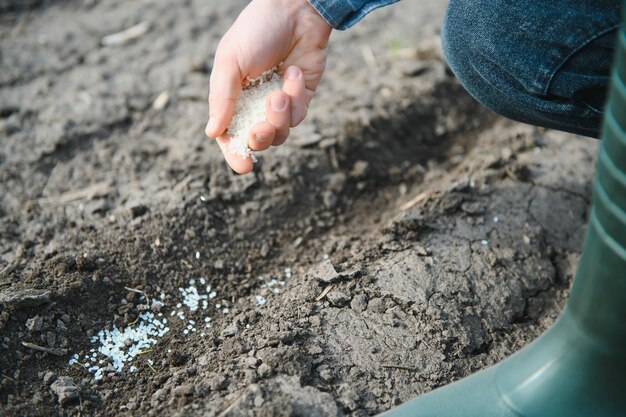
(578, 367)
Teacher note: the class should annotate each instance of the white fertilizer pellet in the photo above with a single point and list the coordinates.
(121, 346)
(117, 347)
(250, 110)
(191, 298)
(273, 286)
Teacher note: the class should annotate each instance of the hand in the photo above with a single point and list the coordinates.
(266, 34)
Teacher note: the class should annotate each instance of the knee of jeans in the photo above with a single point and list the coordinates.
(508, 72)
(480, 70)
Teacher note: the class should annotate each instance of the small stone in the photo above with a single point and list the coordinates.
(218, 383)
(325, 272)
(61, 328)
(185, 390)
(359, 169)
(421, 251)
(34, 324)
(377, 305)
(315, 321)
(65, 389)
(157, 397)
(264, 370)
(50, 377)
(338, 298)
(359, 303)
(315, 350)
(230, 330)
(258, 400)
(252, 362)
(326, 375)
(472, 207)
(138, 210)
(329, 198)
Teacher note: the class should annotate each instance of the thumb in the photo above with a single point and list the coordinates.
(224, 90)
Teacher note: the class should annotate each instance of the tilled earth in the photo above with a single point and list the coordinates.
(426, 237)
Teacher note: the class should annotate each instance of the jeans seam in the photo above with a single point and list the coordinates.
(551, 73)
(351, 4)
(592, 108)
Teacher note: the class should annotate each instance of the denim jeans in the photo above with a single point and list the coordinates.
(342, 14)
(543, 62)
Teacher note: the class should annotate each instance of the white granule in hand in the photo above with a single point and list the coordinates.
(250, 110)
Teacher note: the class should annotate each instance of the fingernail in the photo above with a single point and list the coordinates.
(262, 138)
(278, 102)
(210, 126)
(293, 73)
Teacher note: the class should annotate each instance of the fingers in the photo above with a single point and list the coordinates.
(225, 88)
(261, 136)
(236, 162)
(284, 109)
(278, 114)
(294, 87)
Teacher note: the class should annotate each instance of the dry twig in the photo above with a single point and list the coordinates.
(139, 292)
(55, 352)
(8, 377)
(405, 368)
(325, 292)
(414, 201)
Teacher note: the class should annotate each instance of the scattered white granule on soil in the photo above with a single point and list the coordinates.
(191, 298)
(121, 346)
(250, 110)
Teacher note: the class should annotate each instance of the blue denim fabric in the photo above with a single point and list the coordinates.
(541, 62)
(342, 14)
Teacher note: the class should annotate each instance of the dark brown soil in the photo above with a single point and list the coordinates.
(453, 234)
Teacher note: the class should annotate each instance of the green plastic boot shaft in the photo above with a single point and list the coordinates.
(578, 367)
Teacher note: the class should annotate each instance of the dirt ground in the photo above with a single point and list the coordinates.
(424, 237)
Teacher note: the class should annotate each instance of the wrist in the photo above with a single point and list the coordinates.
(309, 12)
(300, 11)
